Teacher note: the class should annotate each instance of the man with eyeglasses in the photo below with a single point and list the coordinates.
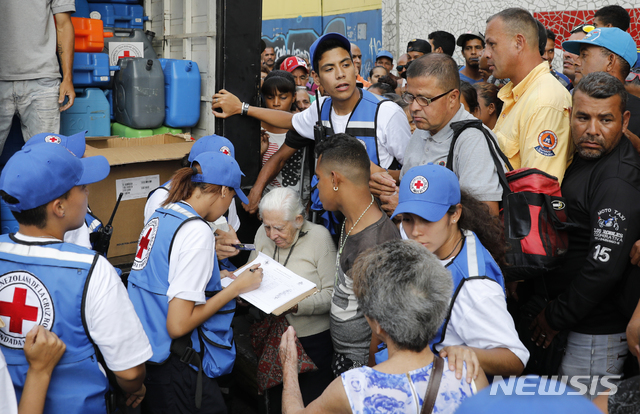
(433, 95)
(533, 129)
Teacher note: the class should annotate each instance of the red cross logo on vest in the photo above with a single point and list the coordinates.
(18, 310)
(144, 244)
(419, 185)
(147, 238)
(24, 303)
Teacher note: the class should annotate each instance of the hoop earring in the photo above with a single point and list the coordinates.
(335, 188)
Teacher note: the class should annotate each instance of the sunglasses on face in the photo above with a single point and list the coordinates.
(584, 28)
(400, 68)
(632, 76)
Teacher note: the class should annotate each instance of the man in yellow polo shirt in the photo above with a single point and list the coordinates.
(533, 129)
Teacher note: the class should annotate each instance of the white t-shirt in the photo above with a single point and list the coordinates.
(8, 402)
(159, 196)
(111, 319)
(480, 319)
(79, 236)
(191, 262)
(393, 131)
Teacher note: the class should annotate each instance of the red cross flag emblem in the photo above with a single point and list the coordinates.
(24, 303)
(225, 150)
(145, 243)
(419, 185)
(125, 54)
(52, 139)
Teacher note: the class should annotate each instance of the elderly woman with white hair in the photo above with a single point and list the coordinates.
(404, 293)
(307, 250)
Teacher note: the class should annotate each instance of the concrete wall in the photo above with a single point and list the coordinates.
(403, 20)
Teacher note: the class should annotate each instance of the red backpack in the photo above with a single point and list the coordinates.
(533, 213)
(535, 224)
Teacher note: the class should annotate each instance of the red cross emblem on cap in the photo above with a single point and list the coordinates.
(419, 185)
(225, 150)
(52, 139)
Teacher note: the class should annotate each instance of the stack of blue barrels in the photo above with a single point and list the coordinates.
(137, 97)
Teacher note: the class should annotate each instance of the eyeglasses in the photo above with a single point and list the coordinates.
(400, 68)
(422, 101)
(584, 28)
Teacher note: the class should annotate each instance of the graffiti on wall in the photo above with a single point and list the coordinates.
(561, 22)
(295, 36)
(298, 41)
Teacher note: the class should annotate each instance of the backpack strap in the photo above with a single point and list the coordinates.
(182, 348)
(499, 159)
(431, 395)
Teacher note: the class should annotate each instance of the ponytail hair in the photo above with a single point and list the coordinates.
(182, 187)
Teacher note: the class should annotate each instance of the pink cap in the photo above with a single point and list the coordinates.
(293, 62)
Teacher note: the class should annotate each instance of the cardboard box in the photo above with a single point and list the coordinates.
(138, 165)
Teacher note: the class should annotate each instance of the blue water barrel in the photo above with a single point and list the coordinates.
(90, 112)
(182, 92)
(8, 223)
(129, 16)
(92, 70)
(109, 94)
(82, 9)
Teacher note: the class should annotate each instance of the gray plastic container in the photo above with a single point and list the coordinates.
(139, 93)
(131, 35)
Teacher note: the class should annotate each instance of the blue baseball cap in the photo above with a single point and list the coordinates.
(39, 174)
(428, 191)
(617, 41)
(549, 397)
(218, 168)
(74, 143)
(384, 53)
(212, 143)
(336, 36)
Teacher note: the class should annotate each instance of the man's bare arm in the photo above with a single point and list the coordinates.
(230, 105)
(268, 172)
(65, 39)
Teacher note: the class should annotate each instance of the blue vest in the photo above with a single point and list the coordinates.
(473, 262)
(362, 123)
(148, 285)
(45, 284)
(93, 222)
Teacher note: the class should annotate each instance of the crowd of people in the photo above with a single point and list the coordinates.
(388, 193)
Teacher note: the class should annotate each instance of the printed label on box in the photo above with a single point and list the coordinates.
(137, 187)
